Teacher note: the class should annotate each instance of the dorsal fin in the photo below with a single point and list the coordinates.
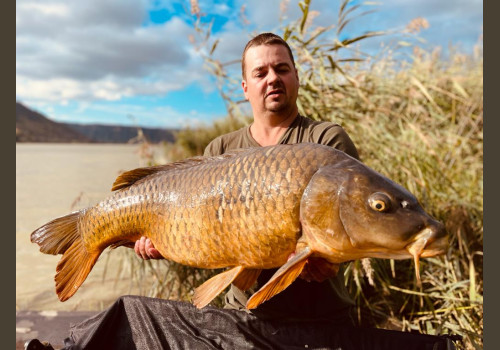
(130, 177)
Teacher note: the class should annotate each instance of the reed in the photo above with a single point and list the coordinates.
(416, 117)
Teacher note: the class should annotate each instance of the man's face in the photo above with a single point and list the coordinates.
(271, 83)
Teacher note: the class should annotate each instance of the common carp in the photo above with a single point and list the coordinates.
(304, 208)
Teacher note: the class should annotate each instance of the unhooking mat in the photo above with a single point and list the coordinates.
(134, 322)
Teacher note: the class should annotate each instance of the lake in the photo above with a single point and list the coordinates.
(51, 181)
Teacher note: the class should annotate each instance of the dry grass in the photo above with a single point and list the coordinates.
(419, 122)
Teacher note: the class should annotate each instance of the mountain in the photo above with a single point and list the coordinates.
(122, 134)
(32, 126)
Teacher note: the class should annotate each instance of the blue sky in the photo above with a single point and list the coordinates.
(130, 62)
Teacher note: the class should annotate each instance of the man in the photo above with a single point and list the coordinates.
(271, 83)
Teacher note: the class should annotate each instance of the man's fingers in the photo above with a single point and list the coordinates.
(148, 245)
(145, 249)
(137, 248)
(152, 252)
(140, 248)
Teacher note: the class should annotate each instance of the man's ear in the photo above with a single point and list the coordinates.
(245, 87)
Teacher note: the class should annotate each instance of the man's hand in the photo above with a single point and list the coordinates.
(145, 249)
(317, 269)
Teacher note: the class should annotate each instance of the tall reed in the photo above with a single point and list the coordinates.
(419, 121)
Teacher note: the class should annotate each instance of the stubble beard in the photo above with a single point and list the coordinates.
(278, 107)
(282, 105)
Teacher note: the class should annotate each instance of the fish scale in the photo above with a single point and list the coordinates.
(248, 210)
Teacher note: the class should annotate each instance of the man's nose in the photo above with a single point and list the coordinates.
(272, 77)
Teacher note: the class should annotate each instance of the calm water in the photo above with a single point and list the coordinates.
(52, 180)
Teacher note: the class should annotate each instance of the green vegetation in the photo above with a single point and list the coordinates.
(419, 121)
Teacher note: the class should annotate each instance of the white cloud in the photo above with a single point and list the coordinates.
(108, 88)
(47, 9)
(108, 50)
(93, 50)
(263, 14)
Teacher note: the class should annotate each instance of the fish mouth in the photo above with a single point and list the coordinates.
(428, 243)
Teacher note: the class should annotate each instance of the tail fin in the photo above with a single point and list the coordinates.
(73, 269)
(58, 235)
(61, 236)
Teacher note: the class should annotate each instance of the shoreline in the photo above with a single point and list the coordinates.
(49, 326)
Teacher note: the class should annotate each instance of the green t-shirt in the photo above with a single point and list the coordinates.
(302, 300)
(301, 130)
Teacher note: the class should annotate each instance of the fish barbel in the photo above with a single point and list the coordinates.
(305, 208)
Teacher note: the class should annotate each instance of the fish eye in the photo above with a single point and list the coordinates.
(379, 202)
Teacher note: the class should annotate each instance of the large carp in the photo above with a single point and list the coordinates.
(305, 208)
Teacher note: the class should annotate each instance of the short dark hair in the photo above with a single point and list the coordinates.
(264, 39)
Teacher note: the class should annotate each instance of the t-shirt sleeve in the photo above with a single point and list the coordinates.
(214, 148)
(337, 137)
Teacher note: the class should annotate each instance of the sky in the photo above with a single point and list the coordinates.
(131, 62)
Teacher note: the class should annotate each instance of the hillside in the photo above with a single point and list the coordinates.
(121, 134)
(32, 126)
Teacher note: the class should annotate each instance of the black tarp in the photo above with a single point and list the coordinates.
(134, 322)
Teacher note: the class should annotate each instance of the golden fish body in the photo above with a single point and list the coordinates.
(250, 210)
(228, 211)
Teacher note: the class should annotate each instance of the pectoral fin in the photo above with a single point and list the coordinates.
(246, 278)
(205, 293)
(281, 279)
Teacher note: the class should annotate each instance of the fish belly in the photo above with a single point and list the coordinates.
(239, 211)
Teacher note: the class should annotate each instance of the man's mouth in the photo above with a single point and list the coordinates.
(275, 92)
